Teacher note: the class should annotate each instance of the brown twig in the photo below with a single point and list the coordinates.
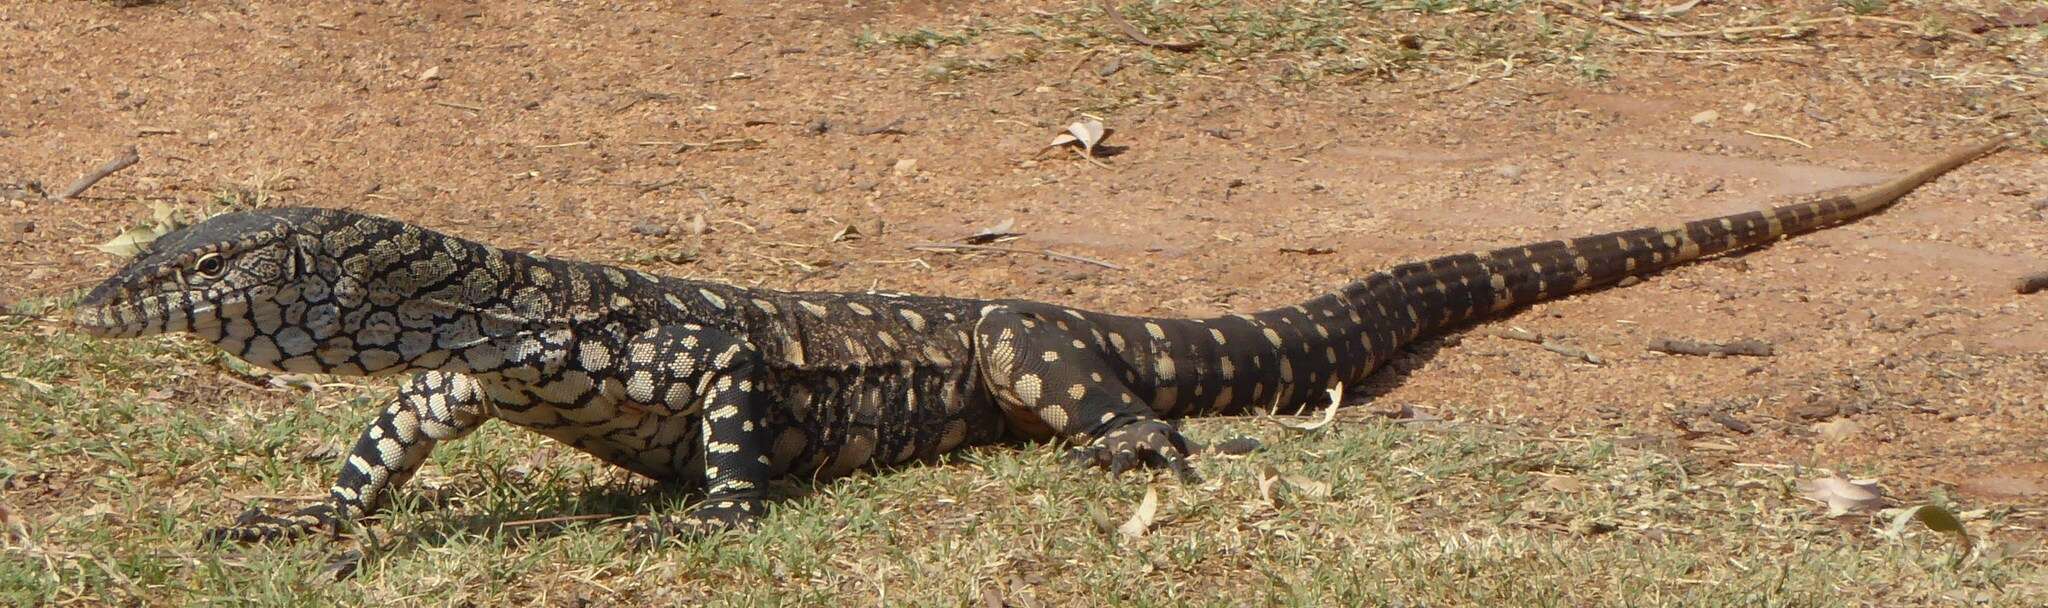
(127, 158)
(1048, 253)
(1602, 17)
(459, 106)
(1795, 27)
(565, 519)
(1766, 49)
(1752, 348)
(1138, 35)
(2031, 283)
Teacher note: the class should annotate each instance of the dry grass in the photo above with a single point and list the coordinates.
(118, 455)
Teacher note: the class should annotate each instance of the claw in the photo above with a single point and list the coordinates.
(712, 517)
(1146, 443)
(256, 526)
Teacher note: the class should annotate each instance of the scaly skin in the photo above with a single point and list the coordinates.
(723, 388)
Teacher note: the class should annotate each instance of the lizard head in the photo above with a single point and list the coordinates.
(304, 290)
(199, 278)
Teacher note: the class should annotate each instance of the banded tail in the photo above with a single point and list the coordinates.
(1463, 287)
(1286, 357)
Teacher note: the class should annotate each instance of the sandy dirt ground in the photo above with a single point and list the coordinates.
(605, 131)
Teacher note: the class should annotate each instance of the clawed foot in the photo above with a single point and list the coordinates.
(712, 517)
(1148, 443)
(255, 526)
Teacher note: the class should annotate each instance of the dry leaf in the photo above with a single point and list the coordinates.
(35, 385)
(1838, 429)
(1273, 486)
(1087, 133)
(1937, 519)
(15, 530)
(1002, 231)
(321, 451)
(1313, 489)
(339, 567)
(130, 243)
(1563, 484)
(1843, 495)
(847, 232)
(1329, 413)
(1141, 520)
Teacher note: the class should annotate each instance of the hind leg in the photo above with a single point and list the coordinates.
(1057, 382)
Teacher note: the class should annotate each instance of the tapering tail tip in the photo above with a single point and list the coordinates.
(1870, 200)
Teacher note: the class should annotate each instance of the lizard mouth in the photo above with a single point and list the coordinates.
(148, 315)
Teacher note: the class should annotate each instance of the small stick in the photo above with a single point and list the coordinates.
(1752, 348)
(1779, 138)
(459, 106)
(127, 158)
(1573, 352)
(1581, 9)
(1048, 253)
(1765, 49)
(1138, 36)
(558, 520)
(1517, 333)
(2031, 283)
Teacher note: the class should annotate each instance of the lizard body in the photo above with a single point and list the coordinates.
(724, 388)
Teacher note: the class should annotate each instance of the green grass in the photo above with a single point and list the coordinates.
(117, 455)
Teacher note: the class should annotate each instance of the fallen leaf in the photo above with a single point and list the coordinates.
(321, 451)
(35, 385)
(1313, 489)
(1843, 495)
(341, 566)
(1274, 487)
(1329, 413)
(1838, 429)
(131, 243)
(1002, 231)
(847, 232)
(1087, 133)
(15, 530)
(97, 510)
(1563, 484)
(1238, 446)
(1937, 519)
(1141, 520)
(1269, 477)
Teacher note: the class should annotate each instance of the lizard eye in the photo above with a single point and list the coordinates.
(209, 265)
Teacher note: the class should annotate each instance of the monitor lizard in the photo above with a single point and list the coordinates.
(723, 388)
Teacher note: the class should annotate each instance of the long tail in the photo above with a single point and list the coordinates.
(1461, 287)
(1286, 357)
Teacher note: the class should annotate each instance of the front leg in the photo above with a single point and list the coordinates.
(692, 370)
(432, 407)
